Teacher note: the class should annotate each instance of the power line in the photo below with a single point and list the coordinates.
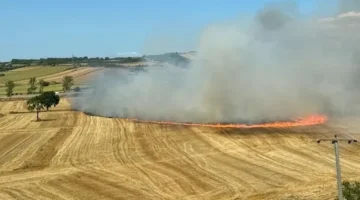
(335, 141)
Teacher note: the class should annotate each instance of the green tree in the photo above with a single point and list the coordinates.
(10, 85)
(36, 104)
(49, 99)
(32, 81)
(32, 87)
(351, 191)
(41, 86)
(67, 83)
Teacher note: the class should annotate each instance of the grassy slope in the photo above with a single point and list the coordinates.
(18, 75)
(23, 88)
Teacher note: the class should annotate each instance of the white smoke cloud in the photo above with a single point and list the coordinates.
(128, 54)
(280, 66)
(346, 6)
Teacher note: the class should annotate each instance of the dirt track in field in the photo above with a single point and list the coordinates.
(81, 74)
(24, 69)
(76, 73)
(70, 155)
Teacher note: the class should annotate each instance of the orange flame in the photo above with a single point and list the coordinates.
(305, 121)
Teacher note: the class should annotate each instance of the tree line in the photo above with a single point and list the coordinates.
(7, 67)
(54, 61)
(71, 60)
(117, 62)
(67, 83)
(45, 100)
(172, 58)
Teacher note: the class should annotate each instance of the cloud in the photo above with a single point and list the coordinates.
(349, 14)
(341, 26)
(126, 54)
(343, 16)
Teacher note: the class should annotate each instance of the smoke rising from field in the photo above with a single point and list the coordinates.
(277, 66)
(349, 6)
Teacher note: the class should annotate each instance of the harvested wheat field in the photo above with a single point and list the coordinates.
(80, 74)
(70, 155)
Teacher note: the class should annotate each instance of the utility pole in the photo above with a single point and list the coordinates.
(336, 141)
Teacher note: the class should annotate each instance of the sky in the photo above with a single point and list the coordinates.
(49, 28)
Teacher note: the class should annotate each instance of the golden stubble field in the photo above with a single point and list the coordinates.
(70, 155)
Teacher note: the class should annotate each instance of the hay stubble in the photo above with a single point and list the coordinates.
(76, 156)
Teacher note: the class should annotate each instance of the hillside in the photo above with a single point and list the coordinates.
(175, 59)
(171, 58)
(54, 75)
(81, 68)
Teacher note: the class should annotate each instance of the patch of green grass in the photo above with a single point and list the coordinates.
(23, 88)
(35, 72)
(56, 87)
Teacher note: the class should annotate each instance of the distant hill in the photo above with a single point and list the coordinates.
(172, 58)
(189, 55)
(177, 59)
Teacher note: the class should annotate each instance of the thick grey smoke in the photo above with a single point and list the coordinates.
(349, 6)
(278, 66)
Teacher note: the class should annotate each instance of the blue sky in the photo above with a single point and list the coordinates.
(49, 28)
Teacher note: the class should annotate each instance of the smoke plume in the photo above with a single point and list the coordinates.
(349, 6)
(276, 67)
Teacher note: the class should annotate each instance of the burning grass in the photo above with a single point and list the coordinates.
(314, 119)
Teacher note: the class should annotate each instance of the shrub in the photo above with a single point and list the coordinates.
(77, 89)
(351, 191)
(45, 83)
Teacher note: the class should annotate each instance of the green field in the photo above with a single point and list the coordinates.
(22, 89)
(32, 72)
(26, 73)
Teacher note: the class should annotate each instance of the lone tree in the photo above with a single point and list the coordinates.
(32, 87)
(67, 83)
(35, 103)
(40, 102)
(49, 99)
(10, 85)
